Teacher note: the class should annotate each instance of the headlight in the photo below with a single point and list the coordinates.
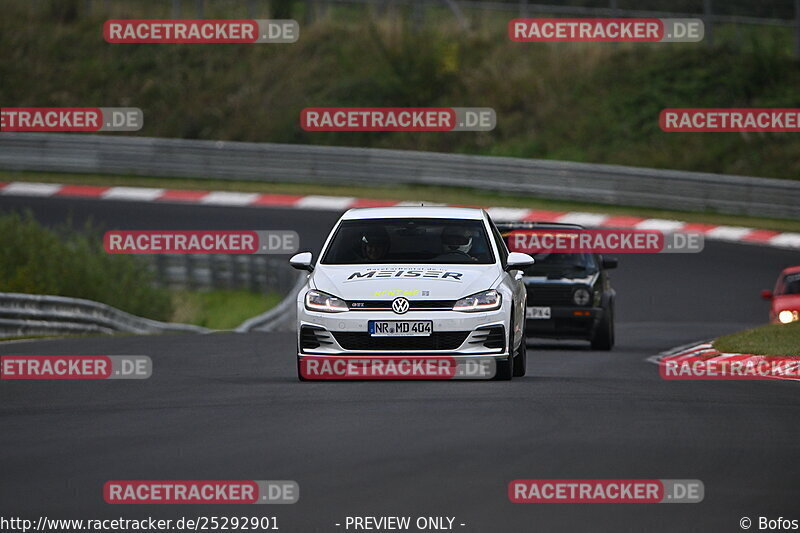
(482, 301)
(786, 316)
(581, 297)
(320, 301)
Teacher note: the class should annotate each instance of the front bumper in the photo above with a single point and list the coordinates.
(566, 323)
(455, 334)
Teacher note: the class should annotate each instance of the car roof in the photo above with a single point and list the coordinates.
(791, 270)
(464, 213)
(510, 226)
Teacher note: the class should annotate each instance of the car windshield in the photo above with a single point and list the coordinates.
(791, 284)
(409, 240)
(562, 265)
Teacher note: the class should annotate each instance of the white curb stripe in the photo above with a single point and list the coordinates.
(338, 203)
(660, 224)
(331, 203)
(584, 219)
(132, 193)
(20, 188)
(507, 214)
(229, 198)
(728, 233)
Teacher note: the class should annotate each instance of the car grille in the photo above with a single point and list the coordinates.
(313, 337)
(443, 340)
(491, 338)
(386, 305)
(549, 294)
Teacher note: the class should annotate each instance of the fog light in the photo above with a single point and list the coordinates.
(784, 317)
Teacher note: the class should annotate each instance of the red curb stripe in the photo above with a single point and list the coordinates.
(622, 221)
(179, 195)
(542, 215)
(760, 235)
(85, 191)
(697, 227)
(276, 199)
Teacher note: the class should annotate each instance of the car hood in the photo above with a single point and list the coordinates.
(385, 282)
(790, 302)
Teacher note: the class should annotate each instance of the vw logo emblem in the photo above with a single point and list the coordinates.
(400, 305)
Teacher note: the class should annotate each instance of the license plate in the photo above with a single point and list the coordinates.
(537, 313)
(400, 328)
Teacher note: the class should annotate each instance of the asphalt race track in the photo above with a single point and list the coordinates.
(228, 406)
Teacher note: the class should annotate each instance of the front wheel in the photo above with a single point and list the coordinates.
(603, 338)
(505, 367)
(521, 357)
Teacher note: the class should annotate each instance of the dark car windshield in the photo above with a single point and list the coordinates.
(562, 265)
(791, 284)
(407, 240)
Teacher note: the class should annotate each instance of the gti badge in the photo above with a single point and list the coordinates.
(400, 305)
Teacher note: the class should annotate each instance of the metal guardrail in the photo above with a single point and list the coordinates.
(331, 165)
(32, 314)
(256, 273)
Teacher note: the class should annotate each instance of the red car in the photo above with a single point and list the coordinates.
(785, 298)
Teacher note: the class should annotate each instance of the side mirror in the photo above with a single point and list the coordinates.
(609, 263)
(302, 261)
(518, 261)
(767, 295)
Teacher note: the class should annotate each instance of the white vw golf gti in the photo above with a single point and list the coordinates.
(411, 281)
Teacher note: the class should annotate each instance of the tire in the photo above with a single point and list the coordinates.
(521, 357)
(505, 367)
(603, 337)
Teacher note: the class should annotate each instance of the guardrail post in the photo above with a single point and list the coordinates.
(213, 271)
(188, 260)
(233, 281)
(417, 14)
(708, 16)
(161, 270)
(797, 28)
(523, 9)
(252, 273)
(199, 6)
(176, 9)
(309, 12)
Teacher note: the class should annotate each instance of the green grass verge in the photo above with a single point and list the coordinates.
(772, 339)
(68, 261)
(220, 309)
(450, 195)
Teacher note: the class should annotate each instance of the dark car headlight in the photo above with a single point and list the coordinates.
(321, 301)
(581, 296)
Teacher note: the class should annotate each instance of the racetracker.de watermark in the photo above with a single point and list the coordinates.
(398, 119)
(623, 241)
(77, 119)
(734, 367)
(777, 120)
(606, 491)
(170, 242)
(385, 367)
(75, 367)
(174, 492)
(199, 31)
(606, 30)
